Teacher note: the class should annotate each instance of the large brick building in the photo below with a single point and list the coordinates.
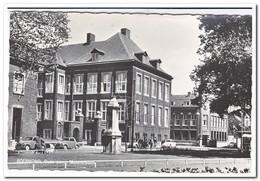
(88, 75)
(21, 105)
(195, 125)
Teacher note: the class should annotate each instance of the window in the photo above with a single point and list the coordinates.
(18, 83)
(61, 83)
(92, 83)
(91, 109)
(137, 112)
(49, 83)
(106, 83)
(146, 85)
(67, 110)
(160, 90)
(145, 114)
(166, 117)
(185, 122)
(78, 83)
(167, 92)
(139, 83)
(159, 137)
(68, 84)
(153, 115)
(88, 133)
(40, 85)
(205, 120)
(104, 110)
(121, 82)
(121, 112)
(39, 112)
(47, 133)
(159, 116)
(60, 111)
(48, 109)
(154, 85)
(193, 120)
(77, 107)
(177, 122)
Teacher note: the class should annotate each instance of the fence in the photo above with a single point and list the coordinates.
(94, 164)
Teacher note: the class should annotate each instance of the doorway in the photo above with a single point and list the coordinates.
(76, 134)
(16, 127)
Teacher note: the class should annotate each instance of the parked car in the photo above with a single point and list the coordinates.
(169, 143)
(28, 144)
(232, 145)
(68, 143)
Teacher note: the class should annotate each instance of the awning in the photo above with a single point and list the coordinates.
(246, 136)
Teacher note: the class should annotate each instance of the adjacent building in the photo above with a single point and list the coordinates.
(191, 124)
(21, 106)
(86, 76)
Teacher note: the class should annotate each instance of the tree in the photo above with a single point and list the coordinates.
(225, 72)
(36, 36)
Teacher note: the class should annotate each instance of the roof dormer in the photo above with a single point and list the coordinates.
(155, 63)
(96, 54)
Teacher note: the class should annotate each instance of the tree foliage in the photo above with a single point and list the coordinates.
(225, 72)
(36, 36)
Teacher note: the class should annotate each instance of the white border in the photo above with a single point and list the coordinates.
(15, 173)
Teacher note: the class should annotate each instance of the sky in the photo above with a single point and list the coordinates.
(172, 38)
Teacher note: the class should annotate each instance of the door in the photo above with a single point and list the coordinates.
(16, 127)
(204, 139)
(76, 134)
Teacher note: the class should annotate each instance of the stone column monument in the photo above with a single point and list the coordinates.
(112, 134)
(98, 127)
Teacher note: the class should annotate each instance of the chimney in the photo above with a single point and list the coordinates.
(125, 32)
(90, 38)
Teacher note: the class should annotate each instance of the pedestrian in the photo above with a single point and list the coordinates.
(154, 141)
(151, 143)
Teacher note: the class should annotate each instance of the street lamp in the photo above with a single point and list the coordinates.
(199, 126)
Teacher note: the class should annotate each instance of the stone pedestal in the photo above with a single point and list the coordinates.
(98, 128)
(112, 135)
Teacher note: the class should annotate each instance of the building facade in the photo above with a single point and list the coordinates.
(86, 76)
(21, 106)
(196, 125)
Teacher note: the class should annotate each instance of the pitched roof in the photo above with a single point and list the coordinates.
(116, 48)
(179, 100)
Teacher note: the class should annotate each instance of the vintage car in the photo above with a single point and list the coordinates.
(28, 144)
(168, 144)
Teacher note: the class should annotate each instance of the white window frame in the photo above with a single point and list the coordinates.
(61, 85)
(153, 114)
(121, 83)
(160, 108)
(137, 113)
(121, 111)
(138, 84)
(167, 92)
(154, 88)
(67, 112)
(92, 85)
(19, 85)
(49, 135)
(60, 112)
(78, 83)
(67, 84)
(92, 111)
(146, 85)
(39, 86)
(104, 111)
(146, 114)
(39, 111)
(160, 91)
(74, 108)
(50, 111)
(49, 85)
(106, 83)
(166, 116)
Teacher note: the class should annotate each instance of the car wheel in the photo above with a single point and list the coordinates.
(27, 147)
(77, 147)
(65, 147)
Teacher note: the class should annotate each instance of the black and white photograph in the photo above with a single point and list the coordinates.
(130, 91)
